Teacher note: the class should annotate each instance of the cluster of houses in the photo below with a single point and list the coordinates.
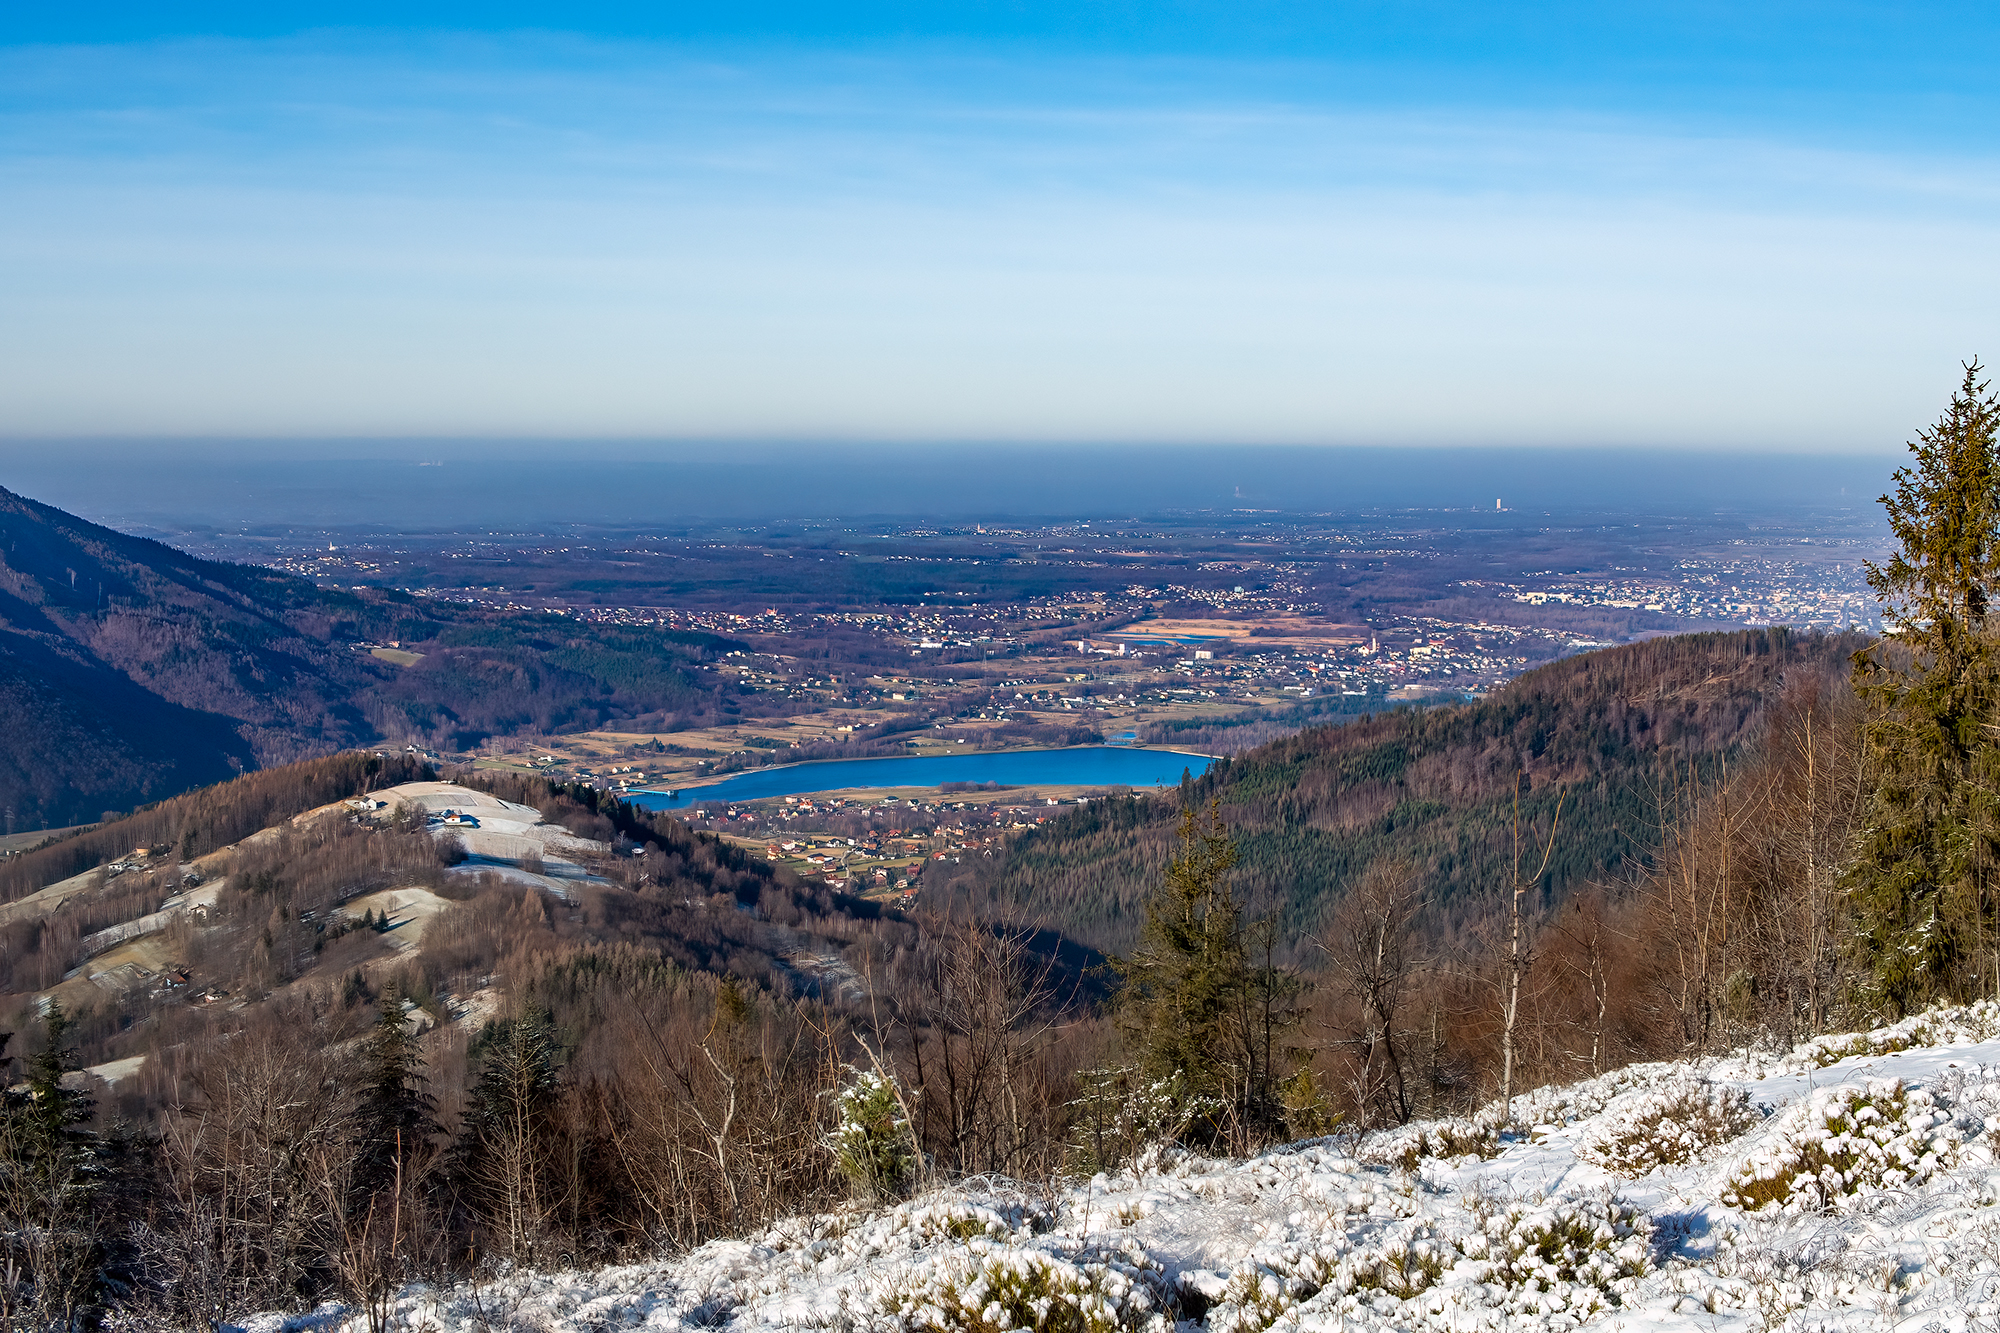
(147, 858)
(831, 860)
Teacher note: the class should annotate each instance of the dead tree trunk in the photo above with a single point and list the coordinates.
(1518, 958)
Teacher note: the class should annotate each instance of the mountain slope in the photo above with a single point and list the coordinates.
(285, 862)
(130, 671)
(1589, 1205)
(1600, 732)
(133, 671)
(78, 739)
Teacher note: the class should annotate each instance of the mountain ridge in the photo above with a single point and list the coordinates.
(131, 671)
(1598, 733)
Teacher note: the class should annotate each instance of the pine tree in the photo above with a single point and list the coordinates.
(1924, 880)
(508, 1131)
(50, 1179)
(394, 1116)
(1204, 1016)
(872, 1144)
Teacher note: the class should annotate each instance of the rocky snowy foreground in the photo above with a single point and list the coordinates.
(1852, 1183)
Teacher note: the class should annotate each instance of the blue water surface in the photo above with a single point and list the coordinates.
(1077, 766)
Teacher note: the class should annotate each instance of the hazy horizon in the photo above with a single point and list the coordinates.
(425, 483)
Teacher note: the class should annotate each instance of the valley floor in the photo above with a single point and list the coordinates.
(1874, 1156)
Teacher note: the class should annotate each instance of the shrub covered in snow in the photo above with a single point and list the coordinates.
(1123, 1116)
(1483, 1134)
(1953, 1025)
(1446, 1140)
(1274, 1280)
(1843, 1142)
(989, 1288)
(1568, 1257)
(1670, 1127)
(1598, 1242)
(872, 1146)
(1567, 1103)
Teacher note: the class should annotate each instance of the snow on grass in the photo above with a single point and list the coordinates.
(1846, 1144)
(1680, 1123)
(1848, 1184)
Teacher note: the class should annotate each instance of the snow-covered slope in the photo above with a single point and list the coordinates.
(498, 835)
(1852, 1183)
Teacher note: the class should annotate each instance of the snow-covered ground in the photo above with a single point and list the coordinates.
(1853, 1183)
(499, 835)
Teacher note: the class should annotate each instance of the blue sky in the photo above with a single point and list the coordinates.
(1763, 227)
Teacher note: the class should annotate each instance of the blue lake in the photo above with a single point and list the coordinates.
(1078, 766)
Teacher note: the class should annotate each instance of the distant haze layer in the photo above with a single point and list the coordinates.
(427, 484)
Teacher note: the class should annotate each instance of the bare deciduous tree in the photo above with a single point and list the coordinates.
(1372, 954)
(244, 1221)
(1519, 955)
(983, 1012)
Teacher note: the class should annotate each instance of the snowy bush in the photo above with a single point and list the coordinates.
(1482, 1134)
(1445, 1140)
(1124, 1117)
(1842, 1142)
(1257, 1292)
(1570, 1257)
(1566, 1103)
(1277, 1281)
(997, 1289)
(1600, 1243)
(1955, 1025)
(1667, 1128)
(871, 1143)
(1402, 1268)
(960, 1220)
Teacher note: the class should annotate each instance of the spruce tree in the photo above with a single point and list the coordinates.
(394, 1115)
(506, 1150)
(1202, 1013)
(1924, 880)
(50, 1182)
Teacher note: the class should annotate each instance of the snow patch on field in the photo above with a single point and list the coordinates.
(1848, 1184)
(407, 910)
(501, 835)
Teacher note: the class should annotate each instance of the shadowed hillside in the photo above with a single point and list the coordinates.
(130, 671)
(1436, 786)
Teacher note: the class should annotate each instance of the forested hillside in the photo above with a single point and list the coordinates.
(1604, 733)
(280, 857)
(609, 1032)
(130, 671)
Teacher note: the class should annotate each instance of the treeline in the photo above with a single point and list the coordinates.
(1735, 930)
(199, 822)
(1255, 727)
